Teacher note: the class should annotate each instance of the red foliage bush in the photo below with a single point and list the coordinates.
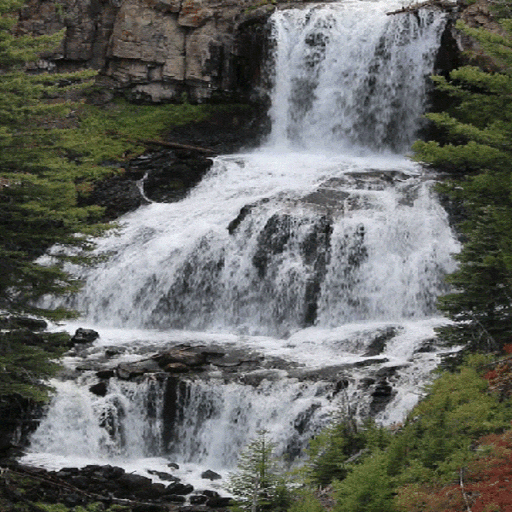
(485, 486)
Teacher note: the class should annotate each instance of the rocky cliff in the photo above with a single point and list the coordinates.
(161, 50)
(158, 49)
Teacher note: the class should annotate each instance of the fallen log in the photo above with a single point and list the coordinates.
(177, 145)
(441, 4)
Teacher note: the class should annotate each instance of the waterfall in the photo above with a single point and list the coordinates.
(347, 75)
(323, 252)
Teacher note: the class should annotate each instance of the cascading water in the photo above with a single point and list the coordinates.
(323, 251)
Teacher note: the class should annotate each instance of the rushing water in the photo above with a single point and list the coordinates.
(306, 250)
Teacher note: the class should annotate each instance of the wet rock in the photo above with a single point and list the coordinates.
(105, 374)
(114, 351)
(131, 481)
(381, 396)
(149, 507)
(198, 499)
(378, 344)
(113, 472)
(210, 475)
(67, 472)
(73, 500)
(367, 382)
(272, 241)
(179, 488)
(99, 389)
(255, 378)
(118, 195)
(126, 371)
(211, 494)
(218, 502)
(84, 336)
(369, 362)
(80, 481)
(175, 498)
(187, 357)
(341, 385)
(388, 371)
(173, 465)
(164, 476)
(427, 346)
(176, 368)
(174, 177)
(244, 213)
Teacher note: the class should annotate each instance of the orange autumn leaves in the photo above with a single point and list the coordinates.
(485, 483)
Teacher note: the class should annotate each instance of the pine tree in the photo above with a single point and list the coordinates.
(257, 484)
(38, 182)
(39, 185)
(477, 151)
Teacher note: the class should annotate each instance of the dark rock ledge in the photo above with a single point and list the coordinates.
(108, 485)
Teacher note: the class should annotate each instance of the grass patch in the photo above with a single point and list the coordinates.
(118, 132)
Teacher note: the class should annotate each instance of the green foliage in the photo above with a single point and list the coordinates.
(38, 184)
(477, 151)
(112, 133)
(258, 483)
(432, 446)
(437, 438)
(25, 362)
(305, 501)
(329, 451)
(367, 488)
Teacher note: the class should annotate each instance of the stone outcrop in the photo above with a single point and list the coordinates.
(477, 15)
(169, 50)
(157, 50)
(104, 487)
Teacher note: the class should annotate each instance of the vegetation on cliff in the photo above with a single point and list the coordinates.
(476, 152)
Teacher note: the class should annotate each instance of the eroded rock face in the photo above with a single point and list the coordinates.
(156, 50)
(478, 15)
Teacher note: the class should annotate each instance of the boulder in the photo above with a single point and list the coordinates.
(186, 357)
(179, 489)
(134, 482)
(127, 371)
(164, 476)
(99, 389)
(198, 499)
(210, 475)
(218, 502)
(105, 374)
(84, 336)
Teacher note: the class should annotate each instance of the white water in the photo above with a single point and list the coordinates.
(341, 237)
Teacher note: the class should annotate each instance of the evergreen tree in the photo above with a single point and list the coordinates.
(257, 484)
(38, 205)
(477, 152)
(38, 182)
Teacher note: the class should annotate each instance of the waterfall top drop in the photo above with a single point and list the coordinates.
(350, 77)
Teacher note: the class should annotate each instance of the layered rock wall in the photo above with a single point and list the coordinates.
(157, 49)
(169, 50)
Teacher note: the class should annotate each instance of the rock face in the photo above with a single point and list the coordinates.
(168, 50)
(478, 15)
(157, 50)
